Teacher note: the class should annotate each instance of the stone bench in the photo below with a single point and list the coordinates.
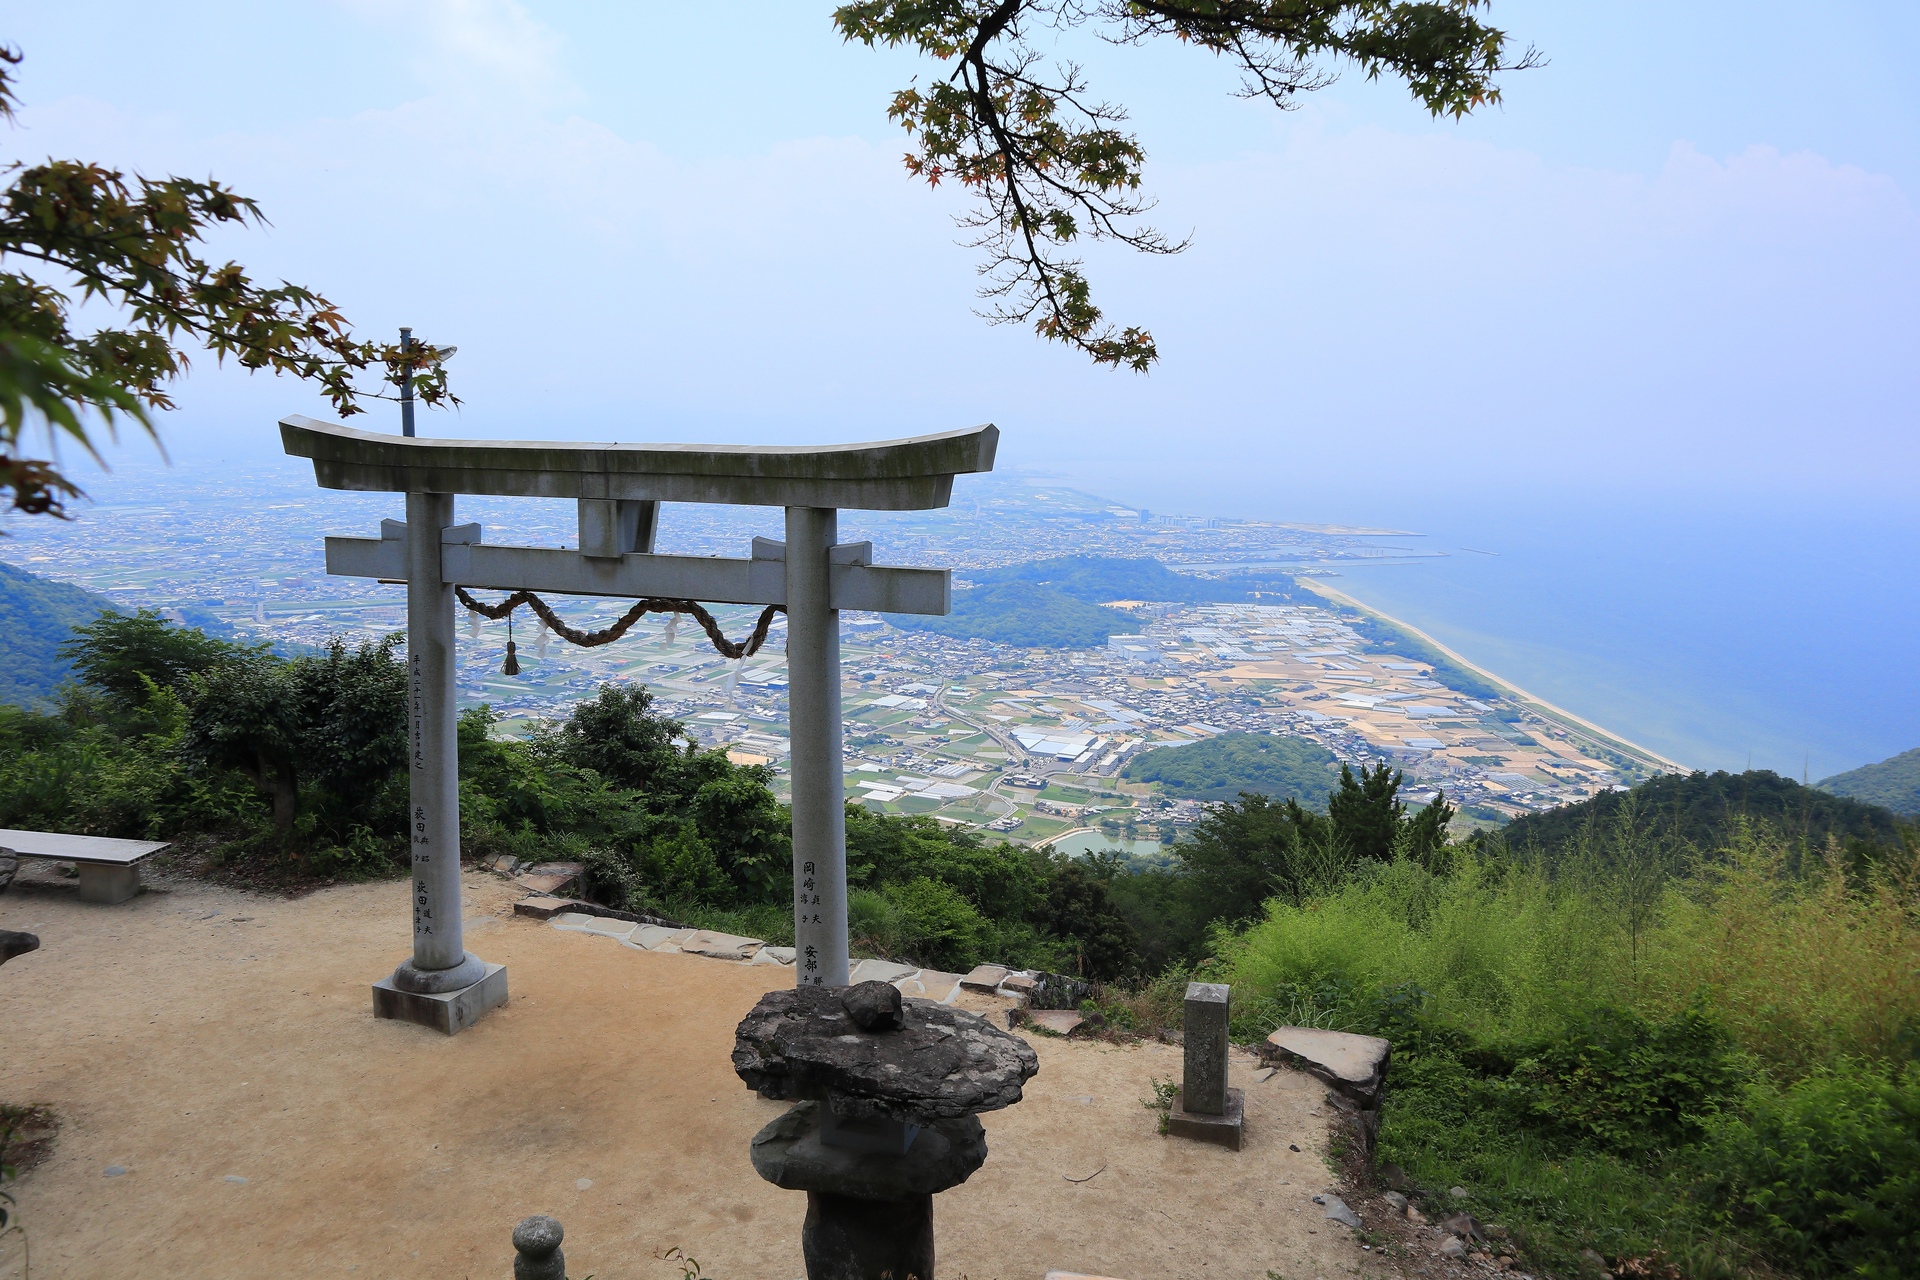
(109, 869)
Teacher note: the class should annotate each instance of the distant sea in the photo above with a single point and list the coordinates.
(1718, 634)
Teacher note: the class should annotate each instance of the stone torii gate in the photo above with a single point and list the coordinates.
(620, 487)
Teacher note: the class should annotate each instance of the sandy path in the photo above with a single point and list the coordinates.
(196, 1048)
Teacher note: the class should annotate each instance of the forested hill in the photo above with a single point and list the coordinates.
(1223, 767)
(36, 617)
(1097, 579)
(1056, 604)
(1893, 784)
(1701, 809)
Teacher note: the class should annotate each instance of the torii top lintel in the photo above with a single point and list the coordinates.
(912, 474)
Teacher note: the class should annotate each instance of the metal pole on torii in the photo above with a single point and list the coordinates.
(812, 575)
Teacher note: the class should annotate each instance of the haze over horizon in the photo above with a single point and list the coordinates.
(1651, 322)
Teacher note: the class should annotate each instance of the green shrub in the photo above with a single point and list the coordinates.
(1623, 1083)
(1827, 1171)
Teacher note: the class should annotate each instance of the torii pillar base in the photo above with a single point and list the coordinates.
(449, 1012)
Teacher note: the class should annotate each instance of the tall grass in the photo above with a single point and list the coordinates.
(1503, 949)
(1802, 967)
(1711, 1058)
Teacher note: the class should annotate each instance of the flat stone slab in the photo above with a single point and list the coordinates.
(942, 1062)
(575, 922)
(1018, 982)
(720, 946)
(1227, 1129)
(930, 984)
(542, 906)
(774, 955)
(1058, 1021)
(879, 971)
(985, 977)
(655, 937)
(1354, 1065)
(789, 1154)
(545, 882)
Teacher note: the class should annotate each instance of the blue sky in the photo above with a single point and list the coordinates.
(1681, 259)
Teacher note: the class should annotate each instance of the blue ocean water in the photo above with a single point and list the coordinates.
(1717, 633)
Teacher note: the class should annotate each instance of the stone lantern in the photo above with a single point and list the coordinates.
(888, 1094)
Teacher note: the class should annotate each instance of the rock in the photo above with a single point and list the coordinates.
(1264, 1074)
(552, 877)
(1458, 1193)
(656, 937)
(880, 971)
(789, 1153)
(721, 946)
(1396, 1177)
(1059, 1021)
(16, 944)
(1416, 1217)
(1355, 1065)
(1464, 1225)
(873, 1006)
(1395, 1201)
(543, 906)
(930, 984)
(1593, 1259)
(942, 1063)
(9, 867)
(774, 955)
(1337, 1211)
(1019, 982)
(1452, 1248)
(984, 977)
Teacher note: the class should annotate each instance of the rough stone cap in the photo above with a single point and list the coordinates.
(910, 474)
(940, 1064)
(1354, 1065)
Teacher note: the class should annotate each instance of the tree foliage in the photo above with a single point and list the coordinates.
(1226, 766)
(76, 233)
(1051, 165)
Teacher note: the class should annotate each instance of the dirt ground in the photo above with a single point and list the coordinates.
(220, 1047)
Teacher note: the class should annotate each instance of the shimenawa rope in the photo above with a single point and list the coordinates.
(652, 604)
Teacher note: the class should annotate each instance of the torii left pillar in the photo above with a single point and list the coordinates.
(443, 985)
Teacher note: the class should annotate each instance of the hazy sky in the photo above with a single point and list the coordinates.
(1683, 258)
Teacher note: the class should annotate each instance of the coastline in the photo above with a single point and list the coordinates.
(1569, 719)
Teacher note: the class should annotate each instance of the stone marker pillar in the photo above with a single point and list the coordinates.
(1206, 1108)
(813, 717)
(443, 986)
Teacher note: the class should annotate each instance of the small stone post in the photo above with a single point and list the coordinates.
(536, 1249)
(1206, 1108)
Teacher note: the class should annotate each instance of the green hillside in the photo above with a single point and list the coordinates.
(1100, 578)
(1055, 604)
(1892, 784)
(1024, 614)
(1223, 767)
(1701, 809)
(36, 618)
